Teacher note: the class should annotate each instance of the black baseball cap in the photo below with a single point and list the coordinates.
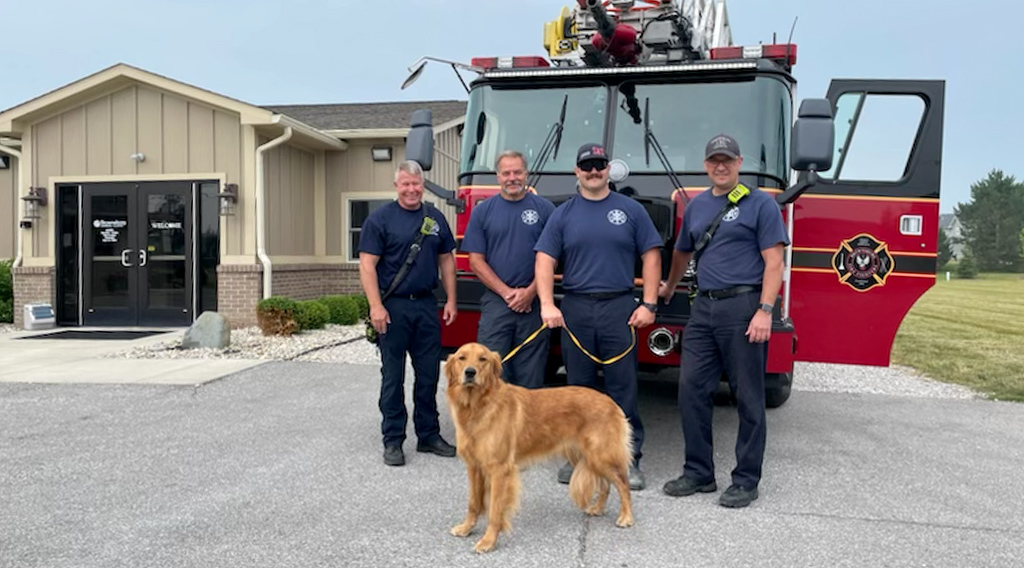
(722, 144)
(591, 151)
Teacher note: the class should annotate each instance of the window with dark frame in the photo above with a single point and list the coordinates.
(358, 211)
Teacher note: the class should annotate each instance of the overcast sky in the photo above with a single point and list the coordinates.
(337, 51)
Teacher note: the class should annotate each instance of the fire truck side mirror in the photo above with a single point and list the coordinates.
(419, 146)
(813, 137)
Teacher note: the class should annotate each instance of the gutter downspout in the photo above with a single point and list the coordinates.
(261, 232)
(21, 171)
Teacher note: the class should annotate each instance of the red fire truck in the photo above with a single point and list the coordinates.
(654, 81)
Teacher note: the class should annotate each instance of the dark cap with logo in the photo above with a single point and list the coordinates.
(591, 151)
(722, 144)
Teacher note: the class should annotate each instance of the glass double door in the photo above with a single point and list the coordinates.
(137, 244)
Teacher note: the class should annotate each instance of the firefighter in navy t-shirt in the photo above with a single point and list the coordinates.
(598, 235)
(500, 237)
(738, 278)
(407, 322)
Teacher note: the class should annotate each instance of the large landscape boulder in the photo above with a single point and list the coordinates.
(209, 330)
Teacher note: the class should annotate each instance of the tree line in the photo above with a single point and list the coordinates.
(993, 225)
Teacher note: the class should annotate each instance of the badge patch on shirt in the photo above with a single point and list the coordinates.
(617, 217)
(530, 216)
(731, 214)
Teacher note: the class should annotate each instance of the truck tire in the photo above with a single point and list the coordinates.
(777, 387)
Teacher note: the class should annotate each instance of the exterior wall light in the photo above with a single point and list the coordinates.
(381, 153)
(228, 199)
(33, 202)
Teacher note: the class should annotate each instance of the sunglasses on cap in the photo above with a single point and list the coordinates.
(591, 165)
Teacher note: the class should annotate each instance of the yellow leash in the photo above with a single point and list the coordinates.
(572, 336)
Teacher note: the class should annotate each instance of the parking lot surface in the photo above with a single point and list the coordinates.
(280, 465)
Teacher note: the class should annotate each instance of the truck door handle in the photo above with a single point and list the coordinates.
(124, 257)
(143, 257)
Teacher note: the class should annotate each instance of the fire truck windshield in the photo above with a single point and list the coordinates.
(500, 119)
(684, 116)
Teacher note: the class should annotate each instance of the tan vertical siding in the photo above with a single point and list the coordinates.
(98, 126)
(123, 131)
(337, 166)
(73, 142)
(291, 196)
(200, 139)
(151, 126)
(174, 134)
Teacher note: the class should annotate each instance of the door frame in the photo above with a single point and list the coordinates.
(195, 180)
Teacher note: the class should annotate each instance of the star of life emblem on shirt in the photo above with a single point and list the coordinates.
(616, 217)
(530, 217)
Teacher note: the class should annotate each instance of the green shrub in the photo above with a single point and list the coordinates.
(364, 305)
(312, 314)
(277, 316)
(967, 268)
(6, 311)
(6, 281)
(344, 309)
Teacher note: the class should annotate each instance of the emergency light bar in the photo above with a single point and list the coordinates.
(782, 53)
(517, 62)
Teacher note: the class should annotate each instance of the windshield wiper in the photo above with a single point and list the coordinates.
(550, 146)
(649, 141)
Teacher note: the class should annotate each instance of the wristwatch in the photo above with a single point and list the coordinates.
(652, 307)
(767, 308)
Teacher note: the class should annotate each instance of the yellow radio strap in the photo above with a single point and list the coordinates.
(572, 336)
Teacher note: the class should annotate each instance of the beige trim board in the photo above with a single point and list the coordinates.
(199, 176)
(282, 262)
(363, 133)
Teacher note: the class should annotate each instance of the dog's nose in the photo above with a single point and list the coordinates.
(470, 374)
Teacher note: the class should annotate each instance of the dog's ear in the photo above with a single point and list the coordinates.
(449, 372)
(495, 359)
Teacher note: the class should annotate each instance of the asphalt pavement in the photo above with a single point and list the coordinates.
(280, 465)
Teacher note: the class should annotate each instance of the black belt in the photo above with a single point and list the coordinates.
(414, 296)
(728, 292)
(602, 295)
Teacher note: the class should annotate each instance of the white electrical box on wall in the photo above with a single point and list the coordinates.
(39, 316)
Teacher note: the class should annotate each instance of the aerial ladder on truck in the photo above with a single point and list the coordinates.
(603, 33)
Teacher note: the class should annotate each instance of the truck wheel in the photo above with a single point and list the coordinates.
(777, 387)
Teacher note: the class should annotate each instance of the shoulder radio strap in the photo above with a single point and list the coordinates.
(737, 194)
(422, 231)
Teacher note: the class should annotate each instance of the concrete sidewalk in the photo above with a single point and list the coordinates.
(83, 361)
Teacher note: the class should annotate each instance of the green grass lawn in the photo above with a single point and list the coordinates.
(968, 332)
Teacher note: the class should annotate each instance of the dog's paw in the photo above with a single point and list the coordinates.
(484, 545)
(624, 521)
(462, 529)
(594, 510)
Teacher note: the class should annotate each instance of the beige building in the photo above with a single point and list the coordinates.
(131, 199)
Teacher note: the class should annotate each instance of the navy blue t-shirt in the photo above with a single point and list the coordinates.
(599, 242)
(389, 232)
(505, 232)
(733, 256)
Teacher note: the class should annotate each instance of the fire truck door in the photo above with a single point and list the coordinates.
(865, 237)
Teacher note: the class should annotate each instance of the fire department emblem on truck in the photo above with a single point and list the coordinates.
(863, 262)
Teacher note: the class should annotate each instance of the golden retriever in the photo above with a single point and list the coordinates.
(500, 428)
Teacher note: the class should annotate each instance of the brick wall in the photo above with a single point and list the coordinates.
(309, 281)
(240, 287)
(31, 284)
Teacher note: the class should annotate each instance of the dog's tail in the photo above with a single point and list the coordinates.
(585, 485)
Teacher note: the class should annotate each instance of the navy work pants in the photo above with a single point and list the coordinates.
(414, 329)
(501, 330)
(714, 342)
(602, 327)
